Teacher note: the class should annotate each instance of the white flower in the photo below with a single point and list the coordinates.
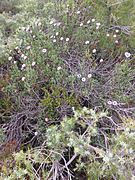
(107, 34)
(36, 133)
(54, 40)
(67, 39)
(98, 24)
(46, 119)
(9, 58)
(78, 12)
(58, 24)
(87, 42)
(23, 78)
(61, 38)
(23, 66)
(44, 50)
(31, 31)
(116, 41)
(15, 62)
(114, 35)
(88, 22)
(51, 22)
(115, 103)
(34, 36)
(25, 57)
(28, 47)
(109, 102)
(127, 54)
(59, 68)
(93, 20)
(16, 48)
(39, 24)
(89, 75)
(94, 50)
(130, 150)
(83, 79)
(97, 27)
(79, 75)
(57, 33)
(81, 24)
(27, 29)
(33, 63)
(51, 36)
(101, 60)
(117, 31)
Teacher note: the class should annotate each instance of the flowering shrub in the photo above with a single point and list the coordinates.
(67, 90)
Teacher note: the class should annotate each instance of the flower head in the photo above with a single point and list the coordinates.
(28, 47)
(78, 12)
(81, 24)
(127, 54)
(33, 63)
(36, 133)
(83, 79)
(115, 103)
(79, 75)
(61, 38)
(88, 22)
(54, 40)
(94, 50)
(44, 50)
(87, 42)
(23, 78)
(9, 58)
(57, 33)
(59, 68)
(101, 60)
(109, 102)
(93, 20)
(67, 39)
(23, 66)
(25, 57)
(89, 75)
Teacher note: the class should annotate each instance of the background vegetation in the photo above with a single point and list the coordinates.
(67, 81)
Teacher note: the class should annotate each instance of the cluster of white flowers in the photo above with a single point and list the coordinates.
(83, 78)
(114, 103)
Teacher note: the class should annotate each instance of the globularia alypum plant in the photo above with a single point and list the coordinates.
(69, 54)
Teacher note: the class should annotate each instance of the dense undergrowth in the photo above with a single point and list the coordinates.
(67, 90)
